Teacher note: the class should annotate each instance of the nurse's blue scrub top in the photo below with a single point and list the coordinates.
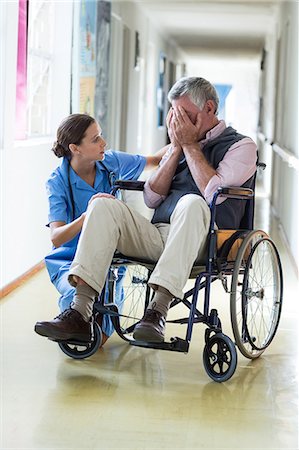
(120, 166)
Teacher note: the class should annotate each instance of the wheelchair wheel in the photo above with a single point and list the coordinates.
(220, 357)
(256, 294)
(81, 350)
(136, 295)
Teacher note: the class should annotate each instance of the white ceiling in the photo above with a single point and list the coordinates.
(214, 25)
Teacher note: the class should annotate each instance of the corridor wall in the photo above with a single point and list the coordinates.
(279, 122)
(285, 198)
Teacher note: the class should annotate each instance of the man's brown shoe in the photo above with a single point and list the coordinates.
(68, 326)
(151, 328)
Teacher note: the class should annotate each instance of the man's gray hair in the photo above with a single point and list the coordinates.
(198, 90)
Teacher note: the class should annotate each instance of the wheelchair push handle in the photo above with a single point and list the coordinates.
(261, 165)
(128, 185)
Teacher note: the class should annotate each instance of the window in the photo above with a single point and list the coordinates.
(44, 66)
(41, 26)
(21, 81)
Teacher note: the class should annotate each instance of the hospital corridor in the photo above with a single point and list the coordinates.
(90, 91)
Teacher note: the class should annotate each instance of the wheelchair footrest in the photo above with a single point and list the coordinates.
(176, 345)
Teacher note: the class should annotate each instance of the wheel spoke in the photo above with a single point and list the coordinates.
(134, 293)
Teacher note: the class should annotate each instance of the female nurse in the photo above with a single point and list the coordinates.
(86, 172)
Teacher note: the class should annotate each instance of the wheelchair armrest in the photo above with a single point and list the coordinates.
(230, 192)
(128, 185)
(234, 192)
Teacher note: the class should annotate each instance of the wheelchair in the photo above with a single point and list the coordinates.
(246, 262)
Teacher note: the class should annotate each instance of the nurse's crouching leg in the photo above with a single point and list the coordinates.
(65, 301)
(64, 288)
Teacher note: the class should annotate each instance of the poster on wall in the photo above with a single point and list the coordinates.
(102, 64)
(88, 15)
(87, 93)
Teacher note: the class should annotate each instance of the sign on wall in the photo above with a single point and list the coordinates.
(93, 67)
(102, 64)
(87, 66)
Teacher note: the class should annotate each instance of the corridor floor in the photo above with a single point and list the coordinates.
(130, 398)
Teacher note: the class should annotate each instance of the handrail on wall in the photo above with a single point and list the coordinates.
(285, 154)
(262, 137)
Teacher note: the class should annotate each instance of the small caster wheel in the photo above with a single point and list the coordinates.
(220, 357)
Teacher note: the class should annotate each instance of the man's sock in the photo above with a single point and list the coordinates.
(161, 301)
(83, 300)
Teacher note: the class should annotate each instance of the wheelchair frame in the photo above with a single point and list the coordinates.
(219, 355)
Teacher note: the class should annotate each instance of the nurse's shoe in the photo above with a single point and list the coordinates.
(68, 326)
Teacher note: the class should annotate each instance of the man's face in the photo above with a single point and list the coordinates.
(205, 119)
(191, 109)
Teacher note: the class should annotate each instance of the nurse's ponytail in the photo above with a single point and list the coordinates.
(60, 150)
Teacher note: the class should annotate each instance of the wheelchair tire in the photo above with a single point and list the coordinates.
(220, 357)
(80, 350)
(136, 295)
(256, 294)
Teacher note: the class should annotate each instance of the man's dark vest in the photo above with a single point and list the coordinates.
(230, 212)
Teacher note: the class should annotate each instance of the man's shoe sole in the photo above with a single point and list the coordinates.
(42, 330)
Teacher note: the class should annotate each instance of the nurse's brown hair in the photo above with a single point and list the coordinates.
(71, 131)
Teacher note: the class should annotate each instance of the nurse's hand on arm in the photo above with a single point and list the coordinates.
(152, 161)
(62, 232)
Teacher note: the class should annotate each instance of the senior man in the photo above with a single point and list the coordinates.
(203, 154)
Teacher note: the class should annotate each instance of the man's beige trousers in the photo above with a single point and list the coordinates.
(110, 224)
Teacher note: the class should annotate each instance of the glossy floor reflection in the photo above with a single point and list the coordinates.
(130, 398)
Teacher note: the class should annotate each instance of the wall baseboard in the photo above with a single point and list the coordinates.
(21, 279)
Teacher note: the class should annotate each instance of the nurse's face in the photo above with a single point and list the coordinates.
(93, 144)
